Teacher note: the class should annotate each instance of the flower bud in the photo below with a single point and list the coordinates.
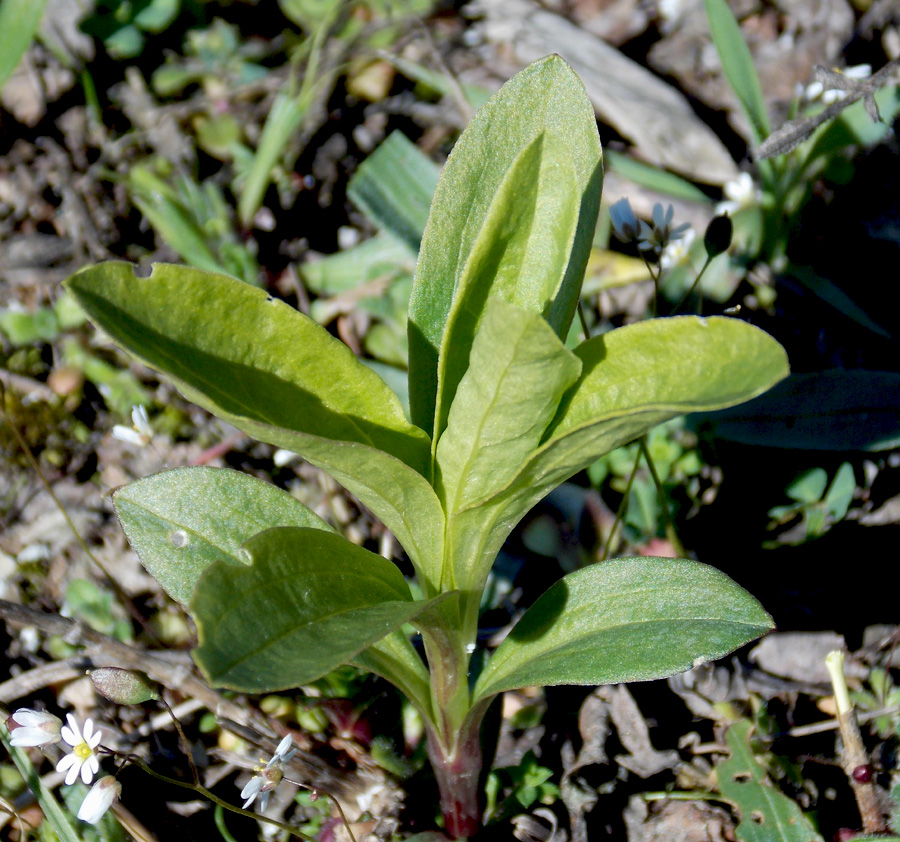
(718, 235)
(99, 799)
(124, 687)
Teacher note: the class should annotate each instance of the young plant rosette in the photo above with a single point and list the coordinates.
(502, 411)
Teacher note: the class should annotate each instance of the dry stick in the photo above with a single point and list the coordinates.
(167, 672)
(794, 132)
(854, 756)
(173, 673)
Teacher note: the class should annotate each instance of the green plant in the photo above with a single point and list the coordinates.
(792, 158)
(818, 504)
(766, 813)
(501, 413)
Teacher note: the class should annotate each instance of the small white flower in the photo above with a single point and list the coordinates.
(657, 237)
(99, 799)
(678, 252)
(269, 776)
(740, 193)
(140, 433)
(36, 728)
(625, 224)
(82, 757)
(816, 90)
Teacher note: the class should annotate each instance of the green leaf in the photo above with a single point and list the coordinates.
(520, 255)
(837, 410)
(19, 21)
(394, 186)
(840, 492)
(181, 521)
(166, 211)
(401, 498)
(629, 619)
(766, 813)
(546, 96)
(310, 601)
(285, 116)
(518, 373)
(737, 62)
(274, 373)
(394, 658)
(378, 257)
(632, 379)
(250, 359)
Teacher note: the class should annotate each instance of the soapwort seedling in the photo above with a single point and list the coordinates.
(502, 410)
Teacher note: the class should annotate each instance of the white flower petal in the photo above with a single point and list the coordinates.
(71, 733)
(71, 765)
(251, 790)
(89, 768)
(283, 746)
(128, 435)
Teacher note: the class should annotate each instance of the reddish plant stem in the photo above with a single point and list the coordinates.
(457, 770)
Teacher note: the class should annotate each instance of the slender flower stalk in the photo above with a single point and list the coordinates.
(35, 728)
(82, 759)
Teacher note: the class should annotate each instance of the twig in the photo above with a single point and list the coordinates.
(794, 132)
(854, 758)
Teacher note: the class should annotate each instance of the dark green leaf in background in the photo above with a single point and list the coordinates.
(834, 410)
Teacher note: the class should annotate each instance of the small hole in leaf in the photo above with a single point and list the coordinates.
(741, 777)
(757, 818)
(179, 538)
(143, 270)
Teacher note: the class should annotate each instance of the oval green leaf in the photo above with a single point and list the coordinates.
(309, 602)
(181, 521)
(520, 256)
(629, 619)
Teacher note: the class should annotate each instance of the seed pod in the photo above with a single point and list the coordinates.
(717, 238)
(124, 687)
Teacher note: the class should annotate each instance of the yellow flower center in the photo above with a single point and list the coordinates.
(83, 751)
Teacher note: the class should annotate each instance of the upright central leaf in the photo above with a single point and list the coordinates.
(520, 255)
(518, 373)
(503, 149)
